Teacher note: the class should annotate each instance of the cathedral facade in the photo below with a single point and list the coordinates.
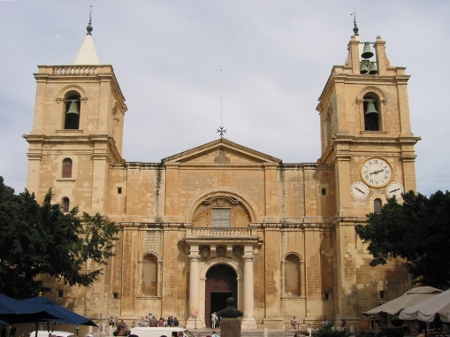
(221, 219)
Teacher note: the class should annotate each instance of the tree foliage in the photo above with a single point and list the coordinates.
(42, 240)
(417, 231)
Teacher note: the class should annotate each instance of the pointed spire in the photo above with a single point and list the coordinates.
(87, 54)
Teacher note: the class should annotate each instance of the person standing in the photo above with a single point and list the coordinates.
(152, 321)
(214, 319)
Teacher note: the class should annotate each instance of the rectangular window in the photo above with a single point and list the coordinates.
(221, 217)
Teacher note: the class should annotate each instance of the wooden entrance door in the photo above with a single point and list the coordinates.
(221, 283)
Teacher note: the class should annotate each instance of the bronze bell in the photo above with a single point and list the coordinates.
(367, 53)
(373, 68)
(364, 69)
(370, 109)
(73, 108)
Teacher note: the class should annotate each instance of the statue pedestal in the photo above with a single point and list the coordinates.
(230, 327)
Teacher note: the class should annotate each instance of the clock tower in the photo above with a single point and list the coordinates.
(366, 140)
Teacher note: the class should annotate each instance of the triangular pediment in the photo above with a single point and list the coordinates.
(221, 152)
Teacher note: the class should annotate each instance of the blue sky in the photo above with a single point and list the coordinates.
(275, 55)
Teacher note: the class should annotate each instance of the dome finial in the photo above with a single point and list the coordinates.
(355, 27)
(89, 27)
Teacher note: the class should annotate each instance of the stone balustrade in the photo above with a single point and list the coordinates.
(221, 232)
(74, 70)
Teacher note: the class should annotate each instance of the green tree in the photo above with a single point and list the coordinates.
(418, 231)
(42, 240)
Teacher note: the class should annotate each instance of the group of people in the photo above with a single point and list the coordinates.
(325, 322)
(153, 321)
(122, 327)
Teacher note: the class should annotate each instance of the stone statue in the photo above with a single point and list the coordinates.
(230, 311)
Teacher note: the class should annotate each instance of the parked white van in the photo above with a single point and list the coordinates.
(160, 331)
(45, 333)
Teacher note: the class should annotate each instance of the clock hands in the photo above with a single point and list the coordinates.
(356, 188)
(375, 172)
(397, 189)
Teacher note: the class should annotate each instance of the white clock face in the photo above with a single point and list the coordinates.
(376, 172)
(359, 190)
(395, 189)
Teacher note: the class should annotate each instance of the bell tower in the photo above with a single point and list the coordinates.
(77, 130)
(366, 140)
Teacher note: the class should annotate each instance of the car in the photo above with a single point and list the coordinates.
(160, 331)
(45, 333)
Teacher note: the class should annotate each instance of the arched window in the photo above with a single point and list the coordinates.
(67, 168)
(149, 282)
(65, 204)
(372, 116)
(72, 110)
(292, 275)
(377, 205)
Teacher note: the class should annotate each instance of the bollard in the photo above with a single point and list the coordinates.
(266, 332)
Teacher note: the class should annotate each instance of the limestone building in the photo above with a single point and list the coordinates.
(222, 219)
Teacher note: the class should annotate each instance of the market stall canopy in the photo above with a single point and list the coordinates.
(2, 322)
(411, 297)
(14, 311)
(427, 310)
(64, 315)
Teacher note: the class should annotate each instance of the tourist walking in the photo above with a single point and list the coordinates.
(214, 320)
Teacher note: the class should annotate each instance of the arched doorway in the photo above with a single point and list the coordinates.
(221, 283)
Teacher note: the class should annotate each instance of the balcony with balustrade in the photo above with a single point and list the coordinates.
(221, 235)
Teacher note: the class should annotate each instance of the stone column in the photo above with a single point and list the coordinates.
(248, 322)
(193, 288)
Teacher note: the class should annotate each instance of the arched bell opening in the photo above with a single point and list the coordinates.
(72, 108)
(372, 115)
